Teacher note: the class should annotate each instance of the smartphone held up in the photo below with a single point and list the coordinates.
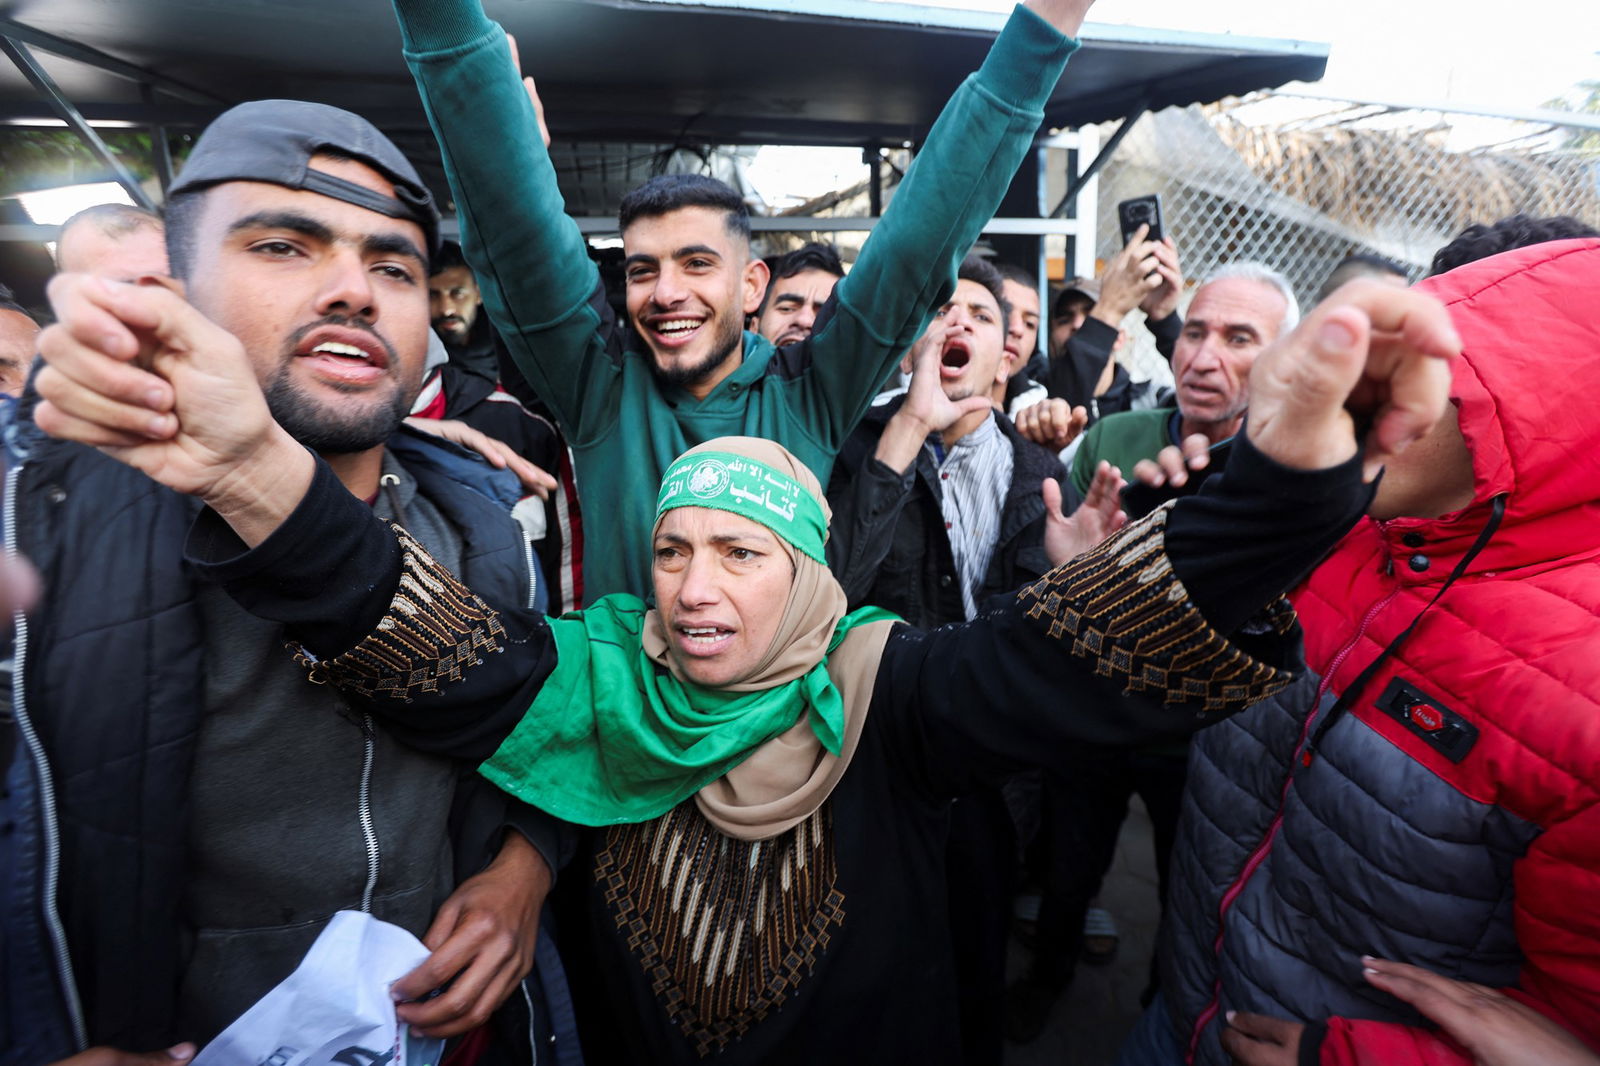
(1140, 211)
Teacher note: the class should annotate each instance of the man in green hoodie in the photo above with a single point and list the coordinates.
(630, 401)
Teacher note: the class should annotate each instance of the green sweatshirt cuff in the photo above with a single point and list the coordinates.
(1026, 61)
(433, 25)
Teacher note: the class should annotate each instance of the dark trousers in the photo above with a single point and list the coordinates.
(1085, 800)
(980, 857)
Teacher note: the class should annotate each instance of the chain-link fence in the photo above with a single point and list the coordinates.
(1241, 180)
(1294, 182)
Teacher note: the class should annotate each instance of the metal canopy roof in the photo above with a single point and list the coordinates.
(709, 71)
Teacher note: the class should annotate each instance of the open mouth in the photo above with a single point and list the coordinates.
(675, 332)
(345, 355)
(954, 359)
(704, 640)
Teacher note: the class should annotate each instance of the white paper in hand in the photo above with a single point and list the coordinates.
(335, 1009)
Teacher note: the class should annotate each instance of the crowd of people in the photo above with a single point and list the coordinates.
(730, 677)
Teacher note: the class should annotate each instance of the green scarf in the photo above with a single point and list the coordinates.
(613, 737)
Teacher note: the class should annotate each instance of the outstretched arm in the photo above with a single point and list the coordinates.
(1149, 613)
(374, 614)
(532, 265)
(1165, 617)
(279, 523)
(1115, 647)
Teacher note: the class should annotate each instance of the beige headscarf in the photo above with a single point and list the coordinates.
(785, 780)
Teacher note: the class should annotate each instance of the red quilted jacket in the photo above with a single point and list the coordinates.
(1512, 650)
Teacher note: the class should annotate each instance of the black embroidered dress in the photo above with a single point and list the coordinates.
(825, 944)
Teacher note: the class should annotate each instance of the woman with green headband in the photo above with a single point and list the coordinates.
(768, 776)
(749, 651)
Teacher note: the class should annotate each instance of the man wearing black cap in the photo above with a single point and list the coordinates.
(1086, 325)
(192, 820)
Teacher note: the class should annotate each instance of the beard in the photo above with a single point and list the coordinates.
(453, 329)
(325, 430)
(328, 432)
(729, 339)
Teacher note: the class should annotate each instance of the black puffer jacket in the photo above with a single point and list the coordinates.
(108, 696)
(888, 547)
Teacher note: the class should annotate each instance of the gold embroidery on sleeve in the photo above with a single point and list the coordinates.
(1124, 609)
(434, 629)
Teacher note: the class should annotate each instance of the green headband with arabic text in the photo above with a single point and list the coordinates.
(751, 489)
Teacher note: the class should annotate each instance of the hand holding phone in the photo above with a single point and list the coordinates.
(1140, 211)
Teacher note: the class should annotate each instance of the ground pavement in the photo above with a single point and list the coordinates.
(1099, 1008)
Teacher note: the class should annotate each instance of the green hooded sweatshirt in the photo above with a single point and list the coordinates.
(546, 299)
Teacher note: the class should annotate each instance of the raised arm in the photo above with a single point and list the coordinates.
(539, 286)
(908, 266)
(867, 500)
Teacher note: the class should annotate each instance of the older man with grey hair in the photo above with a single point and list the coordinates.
(1238, 311)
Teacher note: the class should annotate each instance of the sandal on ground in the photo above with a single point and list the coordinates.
(1100, 937)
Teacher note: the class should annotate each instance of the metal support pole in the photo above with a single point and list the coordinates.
(1083, 238)
(1041, 261)
(160, 149)
(1068, 207)
(80, 53)
(872, 155)
(161, 156)
(63, 107)
(1075, 186)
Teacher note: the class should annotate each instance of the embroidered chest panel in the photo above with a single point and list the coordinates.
(724, 929)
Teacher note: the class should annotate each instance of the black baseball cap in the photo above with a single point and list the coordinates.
(274, 140)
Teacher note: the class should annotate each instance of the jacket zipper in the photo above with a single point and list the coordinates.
(1259, 855)
(533, 1035)
(364, 807)
(47, 788)
(533, 572)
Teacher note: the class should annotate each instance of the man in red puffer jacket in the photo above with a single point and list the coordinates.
(1430, 790)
